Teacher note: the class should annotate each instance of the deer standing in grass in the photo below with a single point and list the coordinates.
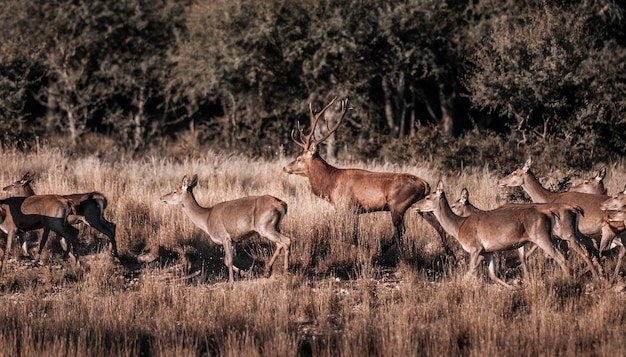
(366, 191)
(593, 223)
(483, 233)
(565, 227)
(593, 185)
(235, 221)
(50, 212)
(89, 208)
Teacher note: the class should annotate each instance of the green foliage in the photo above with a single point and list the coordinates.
(238, 75)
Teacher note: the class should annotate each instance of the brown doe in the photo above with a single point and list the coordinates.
(50, 212)
(89, 208)
(593, 185)
(565, 227)
(593, 223)
(235, 221)
(365, 191)
(505, 228)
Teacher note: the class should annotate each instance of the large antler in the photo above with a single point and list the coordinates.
(305, 140)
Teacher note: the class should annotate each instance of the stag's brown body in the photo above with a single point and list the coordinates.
(89, 208)
(364, 190)
(23, 214)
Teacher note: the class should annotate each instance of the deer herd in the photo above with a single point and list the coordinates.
(585, 217)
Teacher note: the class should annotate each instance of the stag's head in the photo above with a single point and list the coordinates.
(300, 166)
(177, 196)
(21, 187)
(517, 177)
(432, 201)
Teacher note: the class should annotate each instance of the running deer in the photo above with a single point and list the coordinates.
(594, 185)
(89, 207)
(50, 212)
(505, 228)
(366, 191)
(593, 223)
(235, 221)
(565, 228)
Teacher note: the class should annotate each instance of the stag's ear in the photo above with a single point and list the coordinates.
(313, 148)
(464, 196)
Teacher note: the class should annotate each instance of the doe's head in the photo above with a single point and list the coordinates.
(178, 195)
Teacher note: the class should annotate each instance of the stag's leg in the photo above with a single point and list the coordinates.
(432, 220)
(400, 229)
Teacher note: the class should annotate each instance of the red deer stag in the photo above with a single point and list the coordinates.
(505, 228)
(593, 222)
(50, 212)
(89, 207)
(235, 221)
(366, 191)
(593, 185)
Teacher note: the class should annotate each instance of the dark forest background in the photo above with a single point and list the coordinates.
(465, 82)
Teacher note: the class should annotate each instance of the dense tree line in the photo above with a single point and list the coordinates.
(467, 79)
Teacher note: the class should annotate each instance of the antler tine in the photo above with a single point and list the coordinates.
(344, 110)
(300, 143)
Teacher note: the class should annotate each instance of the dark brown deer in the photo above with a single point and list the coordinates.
(365, 191)
(50, 212)
(89, 207)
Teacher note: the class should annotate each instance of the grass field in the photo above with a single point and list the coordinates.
(340, 298)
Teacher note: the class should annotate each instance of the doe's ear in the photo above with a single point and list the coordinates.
(440, 186)
(527, 165)
(601, 174)
(464, 196)
(27, 178)
(194, 182)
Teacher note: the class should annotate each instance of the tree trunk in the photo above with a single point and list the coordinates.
(389, 112)
(447, 112)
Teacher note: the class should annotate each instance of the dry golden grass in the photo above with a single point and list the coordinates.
(341, 298)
